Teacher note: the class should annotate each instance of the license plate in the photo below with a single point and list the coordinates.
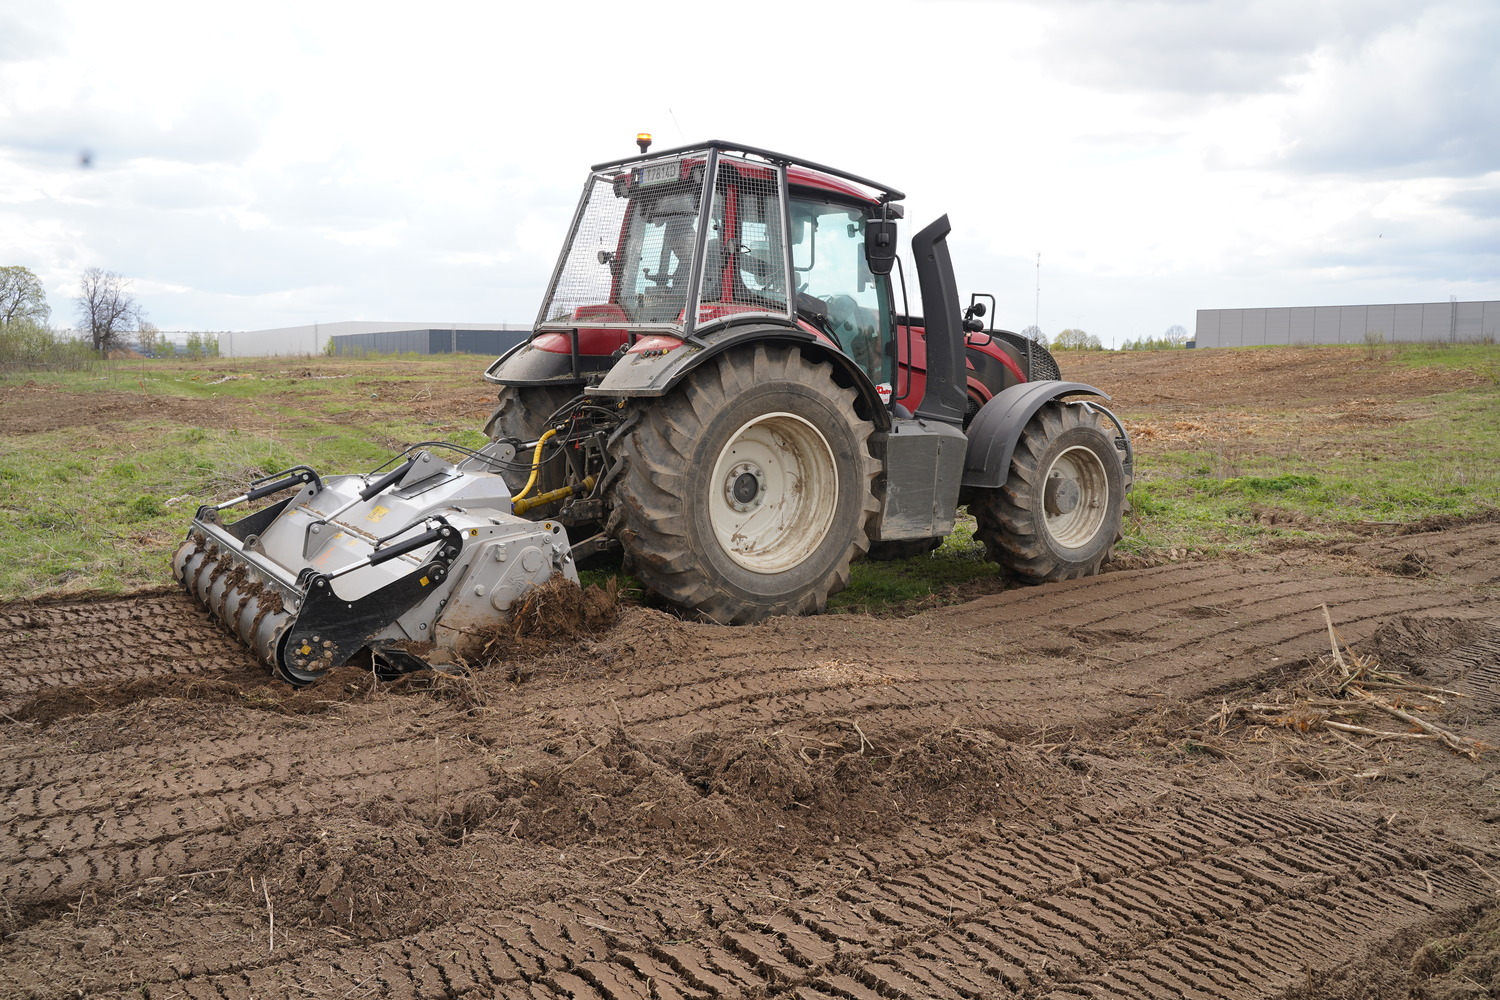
(658, 173)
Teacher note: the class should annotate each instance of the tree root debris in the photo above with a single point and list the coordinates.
(1338, 698)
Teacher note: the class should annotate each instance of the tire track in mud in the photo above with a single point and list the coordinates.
(93, 641)
(1150, 892)
(1233, 624)
(136, 637)
(1468, 554)
(1136, 889)
(117, 829)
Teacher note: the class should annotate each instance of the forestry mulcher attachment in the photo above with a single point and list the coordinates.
(724, 385)
(412, 566)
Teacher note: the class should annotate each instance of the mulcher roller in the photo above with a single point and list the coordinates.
(412, 568)
(251, 610)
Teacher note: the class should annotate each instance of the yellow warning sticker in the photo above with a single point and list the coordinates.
(424, 581)
(377, 513)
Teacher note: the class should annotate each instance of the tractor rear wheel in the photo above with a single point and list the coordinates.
(521, 417)
(1059, 513)
(748, 490)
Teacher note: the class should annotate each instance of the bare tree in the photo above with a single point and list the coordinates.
(1035, 333)
(1176, 334)
(106, 310)
(22, 297)
(147, 337)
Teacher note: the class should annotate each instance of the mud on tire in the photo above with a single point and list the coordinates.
(1059, 513)
(748, 491)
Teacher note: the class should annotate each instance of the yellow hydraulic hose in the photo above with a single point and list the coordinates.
(561, 493)
(536, 464)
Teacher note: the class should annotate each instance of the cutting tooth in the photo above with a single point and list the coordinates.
(218, 592)
(204, 574)
(191, 568)
(268, 635)
(234, 603)
(185, 551)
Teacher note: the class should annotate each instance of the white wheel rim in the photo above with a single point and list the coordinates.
(773, 493)
(1076, 525)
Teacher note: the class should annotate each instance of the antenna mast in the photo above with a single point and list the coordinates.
(1037, 320)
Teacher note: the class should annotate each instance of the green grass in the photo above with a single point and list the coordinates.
(1443, 462)
(84, 510)
(907, 584)
(86, 507)
(1476, 357)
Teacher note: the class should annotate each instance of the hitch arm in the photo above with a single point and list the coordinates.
(298, 475)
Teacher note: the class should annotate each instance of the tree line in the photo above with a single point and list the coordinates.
(1073, 339)
(106, 314)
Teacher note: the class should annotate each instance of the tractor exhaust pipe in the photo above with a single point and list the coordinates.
(945, 397)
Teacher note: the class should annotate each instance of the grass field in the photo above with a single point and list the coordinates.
(101, 468)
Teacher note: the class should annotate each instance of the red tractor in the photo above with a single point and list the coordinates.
(723, 383)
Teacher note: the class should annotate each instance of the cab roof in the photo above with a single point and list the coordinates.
(800, 172)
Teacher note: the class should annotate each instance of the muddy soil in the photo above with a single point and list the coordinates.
(1005, 797)
(1022, 795)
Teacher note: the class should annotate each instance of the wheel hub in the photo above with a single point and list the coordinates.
(1062, 495)
(1075, 497)
(744, 486)
(774, 491)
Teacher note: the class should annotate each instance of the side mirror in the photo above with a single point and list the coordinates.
(880, 245)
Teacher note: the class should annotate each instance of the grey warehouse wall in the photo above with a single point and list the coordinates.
(292, 341)
(1406, 322)
(447, 341)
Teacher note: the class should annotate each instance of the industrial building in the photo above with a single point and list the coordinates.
(364, 336)
(1453, 321)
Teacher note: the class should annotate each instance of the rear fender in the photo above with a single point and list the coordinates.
(998, 425)
(656, 373)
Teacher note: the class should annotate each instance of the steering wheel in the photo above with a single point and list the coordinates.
(843, 314)
(764, 270)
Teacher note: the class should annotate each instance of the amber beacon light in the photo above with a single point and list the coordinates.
(643, 140)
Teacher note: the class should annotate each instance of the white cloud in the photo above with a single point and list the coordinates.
(336, 160)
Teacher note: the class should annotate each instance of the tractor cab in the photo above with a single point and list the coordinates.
(665, 249)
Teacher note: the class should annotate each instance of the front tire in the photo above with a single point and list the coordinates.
(748, 491)
(1060, 511)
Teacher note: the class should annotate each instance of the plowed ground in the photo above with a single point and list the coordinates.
(1015, 796)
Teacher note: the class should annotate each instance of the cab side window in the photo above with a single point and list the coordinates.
(828, 263)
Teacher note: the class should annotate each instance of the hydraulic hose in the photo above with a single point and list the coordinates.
(520, 506)
(536, 464)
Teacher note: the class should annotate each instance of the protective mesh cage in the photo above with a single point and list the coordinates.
(745, 267)
(584, 277)
(644, 229)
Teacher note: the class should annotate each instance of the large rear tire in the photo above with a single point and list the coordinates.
(521, 417)
(748, 490)
(1060, 511)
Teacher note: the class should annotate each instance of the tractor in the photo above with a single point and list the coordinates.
(725, 385)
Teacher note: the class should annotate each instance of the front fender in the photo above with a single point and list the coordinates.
(528, 365)
(997, 427)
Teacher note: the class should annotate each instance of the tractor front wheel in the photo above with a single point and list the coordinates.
(1059, 513)
(748, 491)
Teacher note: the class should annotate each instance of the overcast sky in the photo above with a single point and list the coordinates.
(275, 164)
